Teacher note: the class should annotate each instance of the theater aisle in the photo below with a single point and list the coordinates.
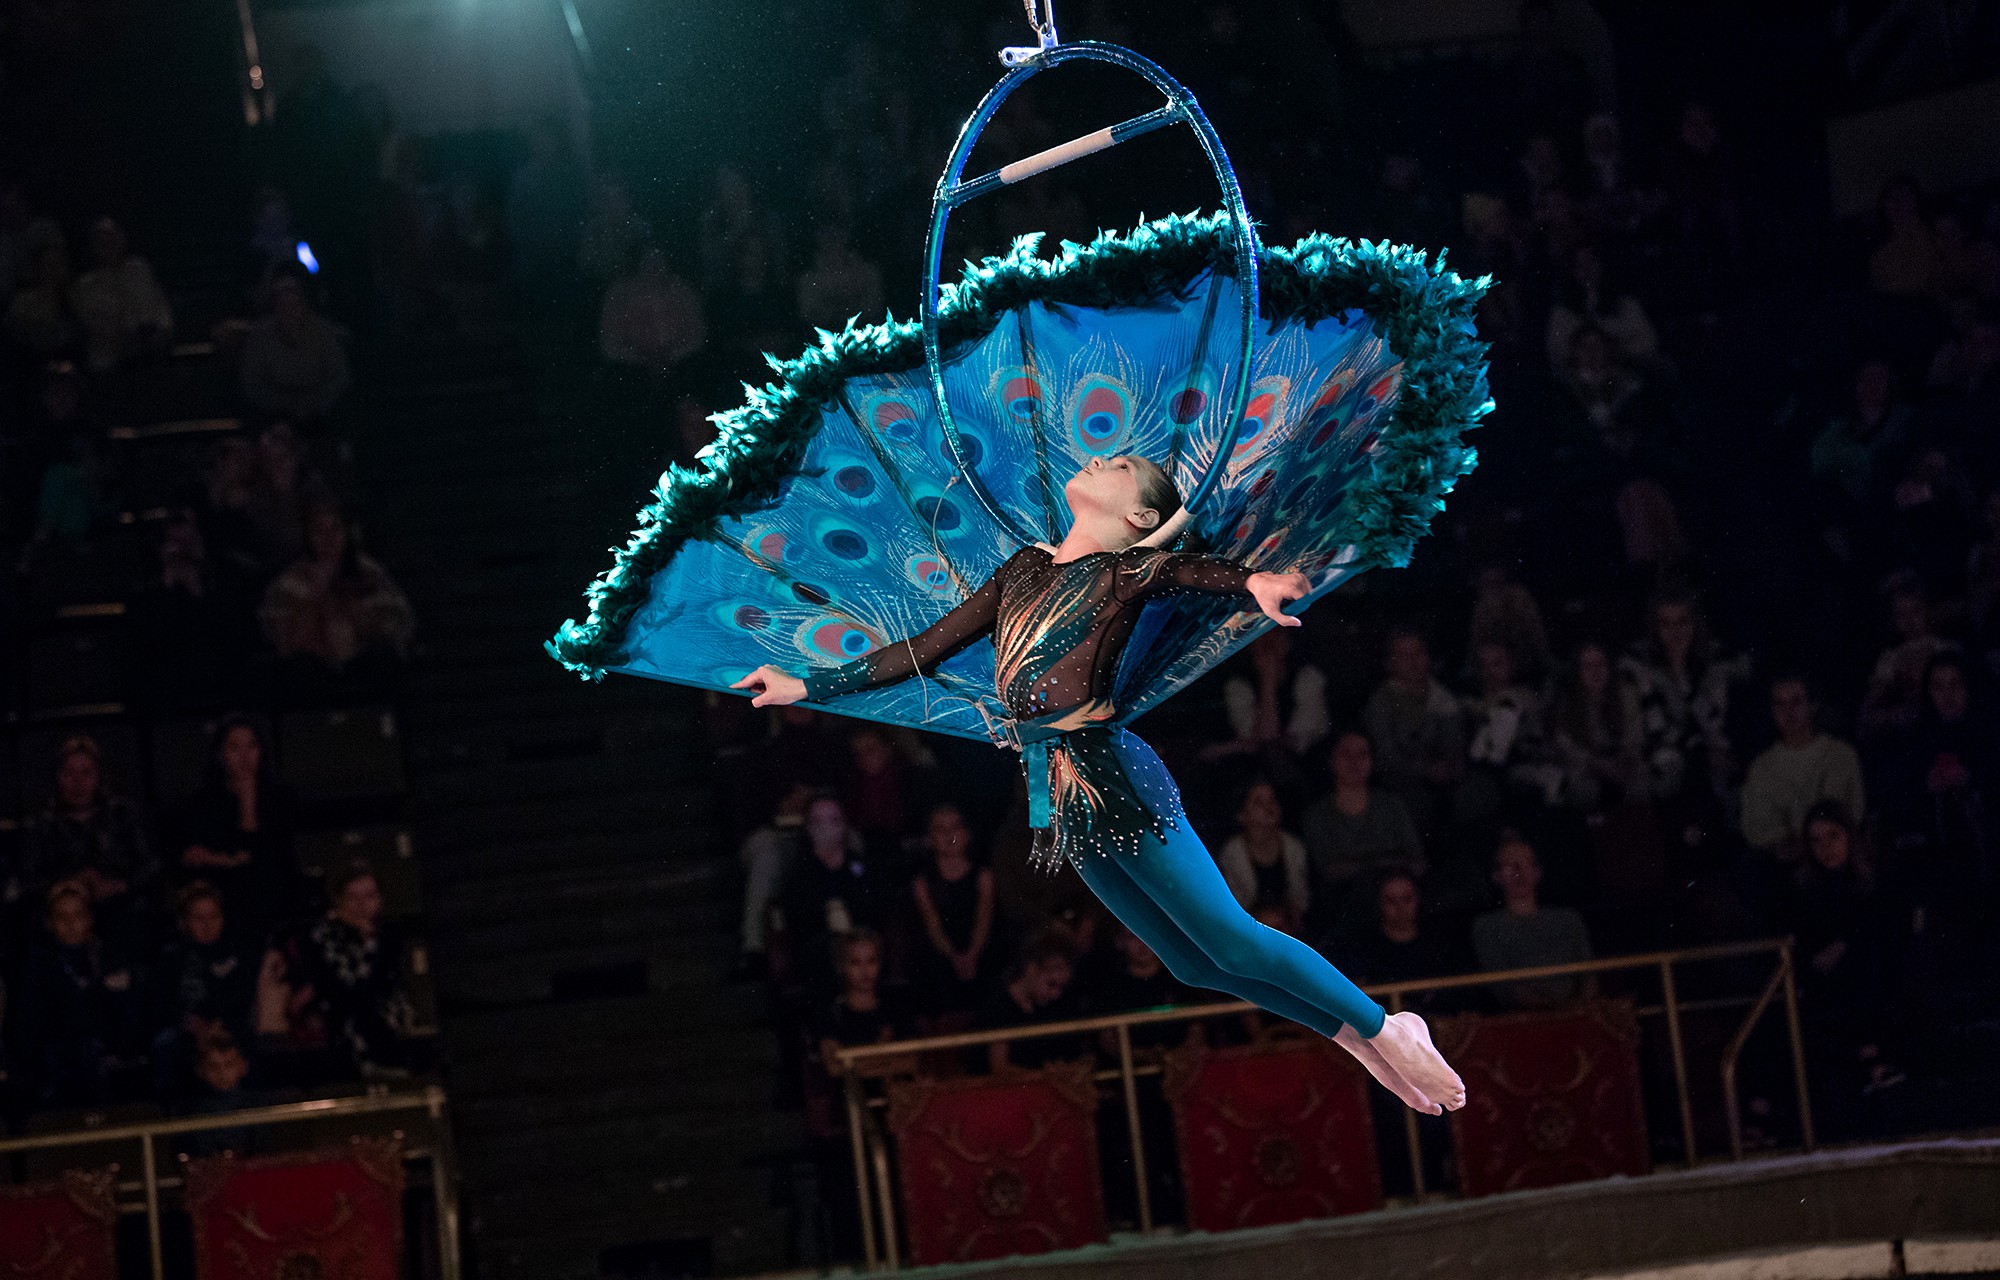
(610, 1087)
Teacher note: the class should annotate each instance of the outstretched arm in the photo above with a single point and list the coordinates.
(1165, 571)
(895, 661)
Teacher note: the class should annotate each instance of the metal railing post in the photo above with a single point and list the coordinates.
(878, 1151)
(1798, 1044)
(444, 1188)
(1672, 1002)
(857, 1114)
(1732, 1113)
(151, 1175)
(1131, 1085)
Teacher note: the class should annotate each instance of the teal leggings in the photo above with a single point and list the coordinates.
(1171, 894)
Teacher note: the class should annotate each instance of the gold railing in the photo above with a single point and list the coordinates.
(430, 1101)
(870, 1147)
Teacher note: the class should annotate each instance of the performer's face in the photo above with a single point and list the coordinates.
(1110, 487)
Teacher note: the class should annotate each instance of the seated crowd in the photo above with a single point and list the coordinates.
(181, 552)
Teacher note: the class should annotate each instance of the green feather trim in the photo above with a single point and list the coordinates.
(1424, 312)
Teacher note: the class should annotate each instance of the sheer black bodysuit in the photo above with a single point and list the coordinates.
(1058, 631)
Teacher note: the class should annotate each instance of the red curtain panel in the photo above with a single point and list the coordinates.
(1551, 1096)
(329, 1215)
(63, 1229)
(992, 1166)
(1272, 1134)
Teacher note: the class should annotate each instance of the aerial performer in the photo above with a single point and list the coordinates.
(1074, 485)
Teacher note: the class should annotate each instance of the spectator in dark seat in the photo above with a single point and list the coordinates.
(1277, 715)
(90, 835)
(1834, 916)
(294, 365)
(953, 896)
(235, 542)
(1684, 682)
(239, 831)
(198, 629)
(1398, 948)
(39, 318)
(204, 982)
(1265, 864)
(862, 1012)
(1896, 693)
(1524, 934)
(220, 1070)
(1357, 828)
(1940, 793)
(352, 965)
(767, 855)
(1134, 977)
(1038, 988)
(335, 608)
(80, 1017)
(1795, 773)
(876, 782)
(1597, 734)
(283, 491)
(123, 310)
(830, 888)
(1416, 731)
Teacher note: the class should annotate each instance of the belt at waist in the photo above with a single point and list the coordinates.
(1033, 738)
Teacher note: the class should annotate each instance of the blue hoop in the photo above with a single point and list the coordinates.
(1181, 108)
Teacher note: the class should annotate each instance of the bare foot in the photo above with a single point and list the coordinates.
(1388, 1077)
(1405, 1043)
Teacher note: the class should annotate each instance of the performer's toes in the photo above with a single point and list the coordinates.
(1391, 1079)
(1405, 1042)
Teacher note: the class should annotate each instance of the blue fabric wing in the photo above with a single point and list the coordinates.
(830, 516)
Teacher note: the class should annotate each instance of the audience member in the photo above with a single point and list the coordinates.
(1597, 734)
(80, 1015)
(1356, 828)
(767, 853)
(39, 318)
(1277, 713)
(953, 896)
(283, 489)
(1505, 613)
(828, 890)
(89, 835)
(1416, 731)
(351, 964)
(1397, 948)
(1524, 934)
(1037, 988)
(204, 982)
(336, 610)
(237, 831)
(1131, 978)
(119, 302)
(197, 632)
(294, 365)
(1683, 682)
(862, 1011)
(1265, 864)
(1896, 693)
(1795, 773)
(1838, 927)
(1504, 740)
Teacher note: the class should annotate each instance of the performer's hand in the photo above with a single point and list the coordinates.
(1274, 589)
(772, 687)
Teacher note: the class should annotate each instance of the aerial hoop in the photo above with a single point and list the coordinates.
(1180, 108)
